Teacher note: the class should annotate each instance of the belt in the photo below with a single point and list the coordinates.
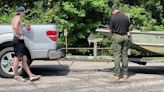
(120, 33)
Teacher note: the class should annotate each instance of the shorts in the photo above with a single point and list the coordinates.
(19, 47)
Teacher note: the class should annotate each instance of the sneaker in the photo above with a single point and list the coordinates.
(19, 78)
(113, 77)
(35, 77)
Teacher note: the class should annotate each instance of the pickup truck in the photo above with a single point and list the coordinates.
(40, 41)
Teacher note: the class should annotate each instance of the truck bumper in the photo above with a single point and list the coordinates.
(54, 54)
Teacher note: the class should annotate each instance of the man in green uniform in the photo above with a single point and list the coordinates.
(119, 26)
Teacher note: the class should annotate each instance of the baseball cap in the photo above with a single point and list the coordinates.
(20, 9)
(114, 6)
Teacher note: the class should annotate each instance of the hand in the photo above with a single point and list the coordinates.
(21, 37)
(28, 27)
(128, 34)
(110, 30)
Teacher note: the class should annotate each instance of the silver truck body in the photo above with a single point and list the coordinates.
(36, 40)
(39, 43)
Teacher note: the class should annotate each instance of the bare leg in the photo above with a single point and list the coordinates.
(25, 66)
(15, 66)
(32, 77)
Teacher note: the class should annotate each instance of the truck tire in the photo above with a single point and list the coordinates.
(6, 63)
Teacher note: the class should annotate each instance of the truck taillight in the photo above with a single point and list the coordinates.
(52, 34)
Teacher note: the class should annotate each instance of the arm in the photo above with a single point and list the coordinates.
(111, 25)
(129, 29)
(129, 24)
(15, 25)
(128, 16)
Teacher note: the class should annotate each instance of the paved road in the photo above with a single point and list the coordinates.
(88, 77)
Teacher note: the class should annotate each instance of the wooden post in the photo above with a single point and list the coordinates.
(95, 49)
(66, 42)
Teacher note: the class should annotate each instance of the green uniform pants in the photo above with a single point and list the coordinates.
(120, 45)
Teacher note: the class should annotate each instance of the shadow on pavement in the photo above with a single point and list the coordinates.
(159, 70)
(49, 70)
(57, 70)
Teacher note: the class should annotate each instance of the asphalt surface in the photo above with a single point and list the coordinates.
(88, 77)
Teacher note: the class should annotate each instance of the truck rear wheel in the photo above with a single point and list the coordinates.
(6, 63)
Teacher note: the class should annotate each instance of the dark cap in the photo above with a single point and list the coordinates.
(20, 9)
(115, 6)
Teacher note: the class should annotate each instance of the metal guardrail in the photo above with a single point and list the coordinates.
(85, 48)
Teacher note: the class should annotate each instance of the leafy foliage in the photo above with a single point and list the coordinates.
(82, 17)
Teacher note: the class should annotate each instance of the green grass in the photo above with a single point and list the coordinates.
(153, 58)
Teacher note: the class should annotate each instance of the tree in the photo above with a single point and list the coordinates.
(83, 16)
